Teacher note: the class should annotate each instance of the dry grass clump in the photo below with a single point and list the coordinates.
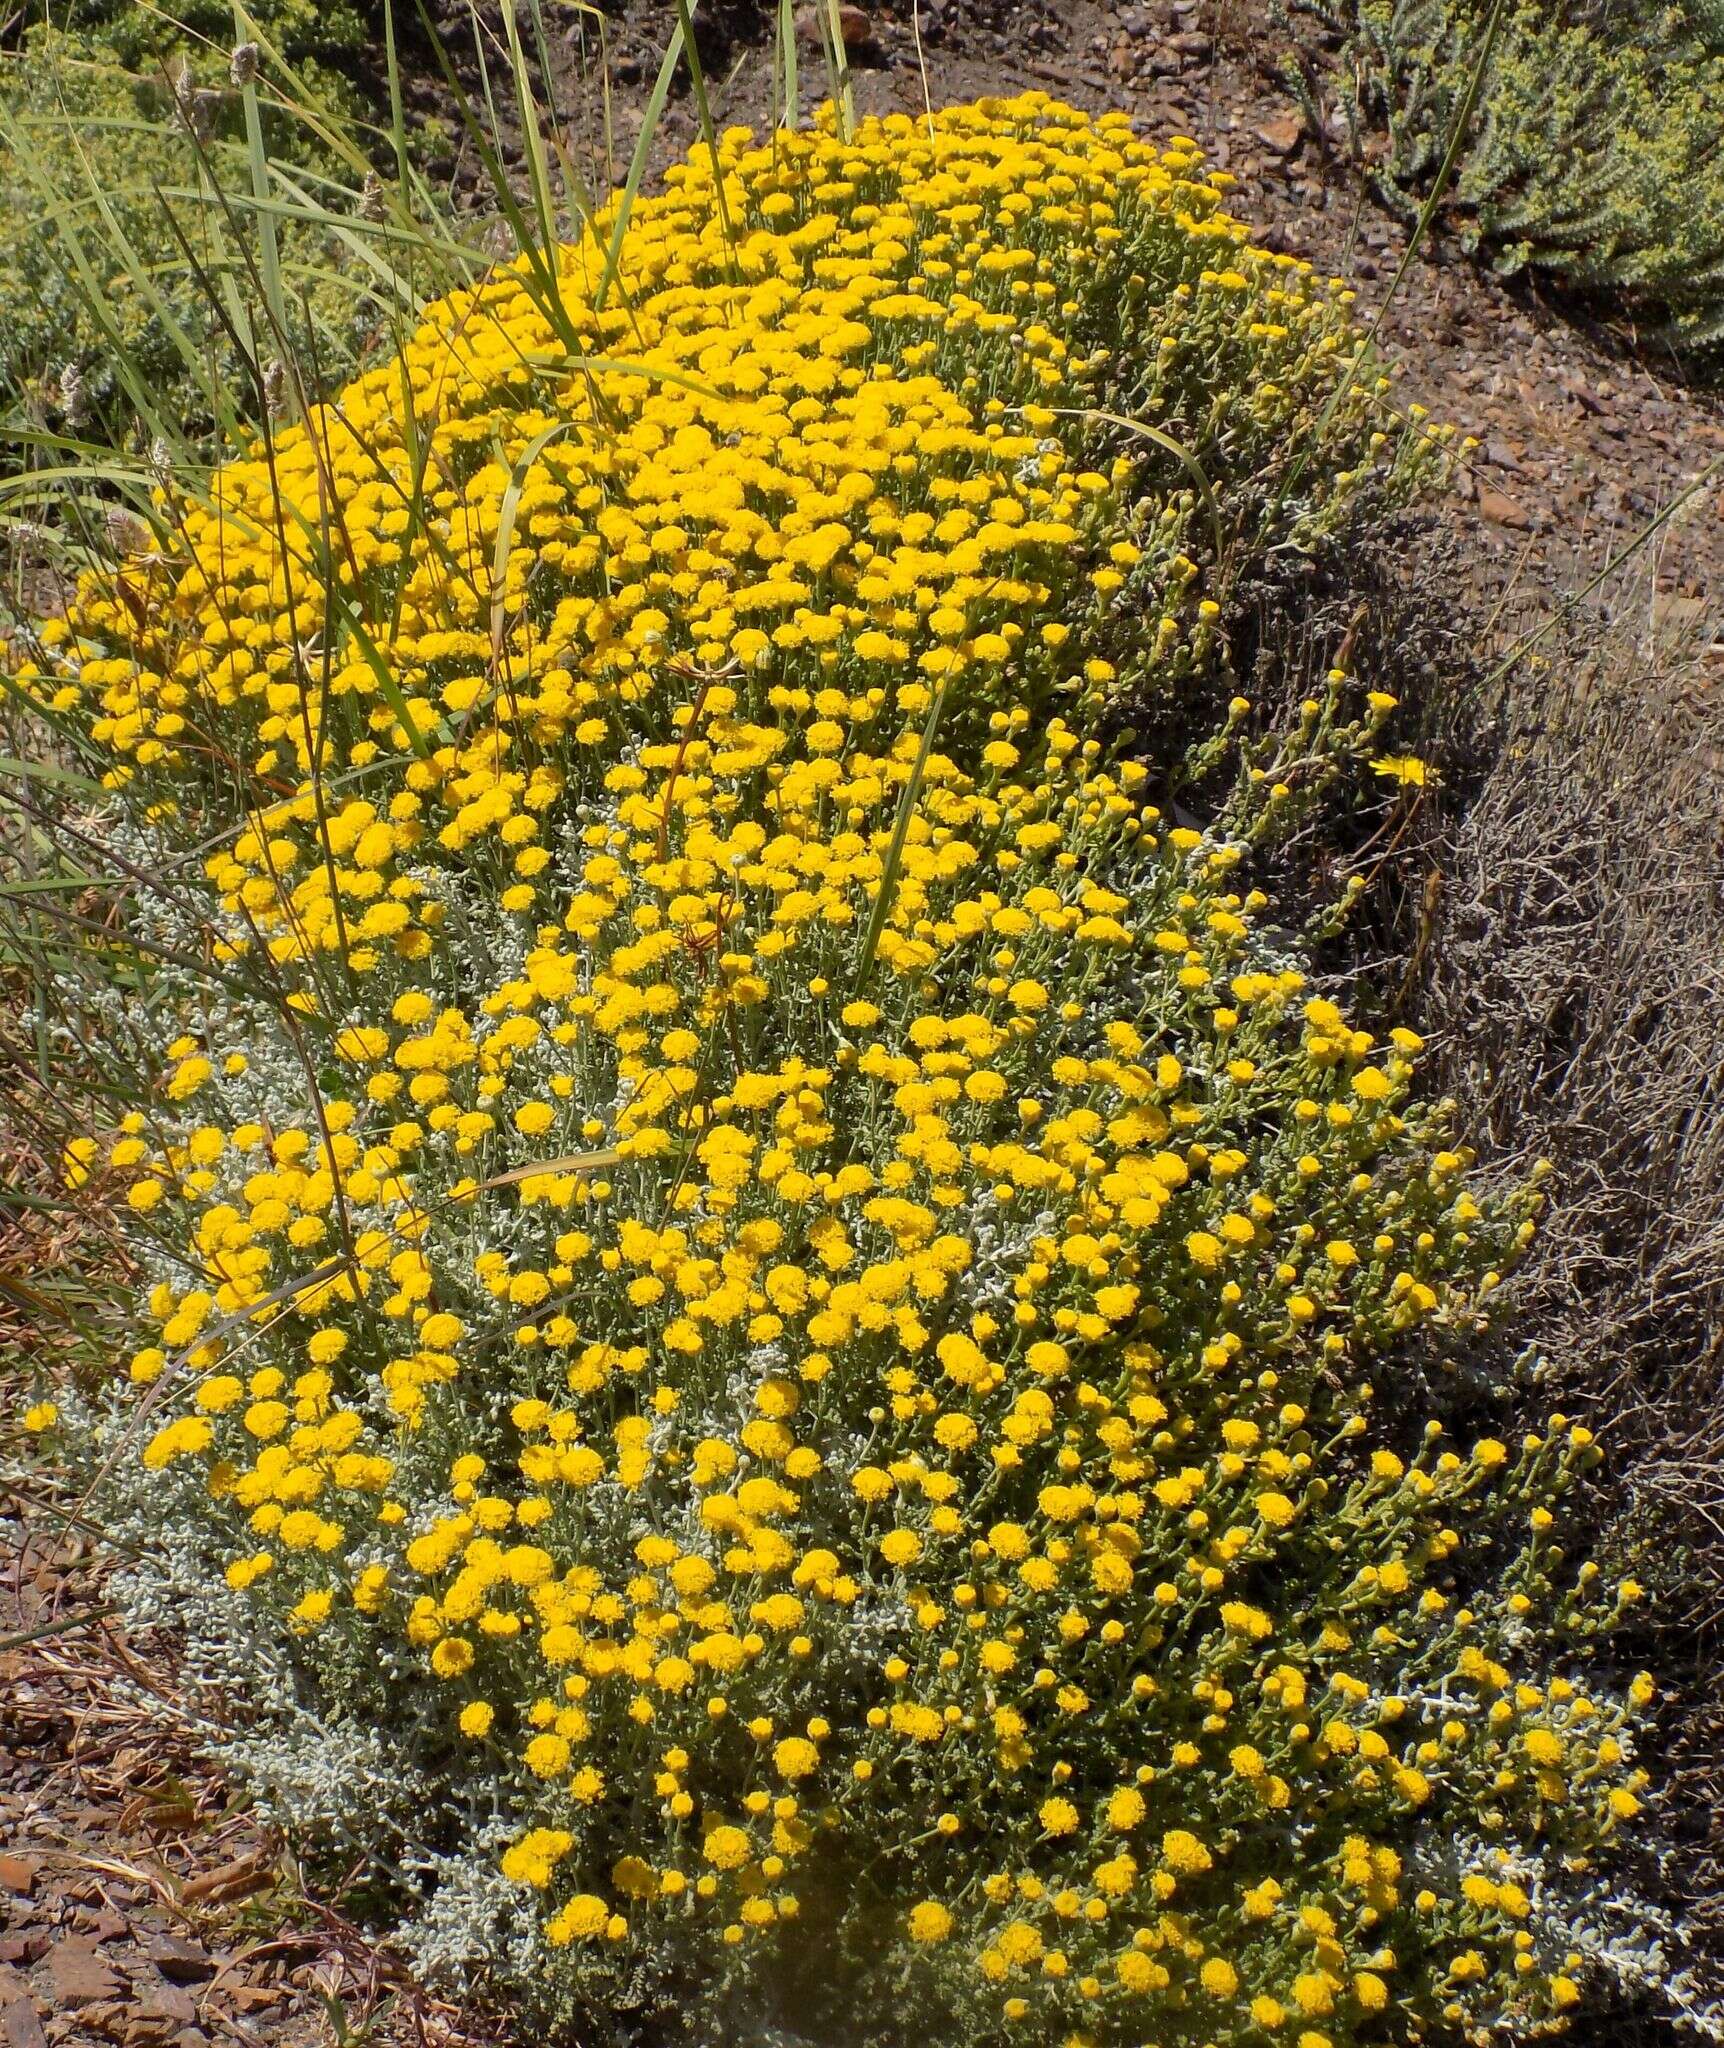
(1556, 899)
(1578, 955)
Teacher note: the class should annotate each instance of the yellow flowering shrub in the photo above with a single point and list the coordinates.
(751, 1259)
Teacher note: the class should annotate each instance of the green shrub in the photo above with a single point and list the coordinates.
(109, 210)
(1596, 156)
(143, 37)
(759, 1285)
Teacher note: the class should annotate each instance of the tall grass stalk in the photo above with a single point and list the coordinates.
(73, 945)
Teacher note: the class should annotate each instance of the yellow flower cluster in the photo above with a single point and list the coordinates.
(769, 1242)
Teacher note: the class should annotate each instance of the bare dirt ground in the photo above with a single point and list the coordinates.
(141, 1904)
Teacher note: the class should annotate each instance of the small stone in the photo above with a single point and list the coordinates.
(110, 2018)
(254, 1997)
(1282, 133)
(170, 2003)
(20, 2022)
(18, 1874)
(181, 1962)
(79, 1974)
(1503, 510)
(148, 2027)
(854, 25)
(1676, 611)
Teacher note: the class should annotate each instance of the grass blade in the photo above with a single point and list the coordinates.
(900, 839)
(786, 55)
(1193, 468)
(838, 64)
(697, 71)
(506, 517)
(637, 165)
(41, 771)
